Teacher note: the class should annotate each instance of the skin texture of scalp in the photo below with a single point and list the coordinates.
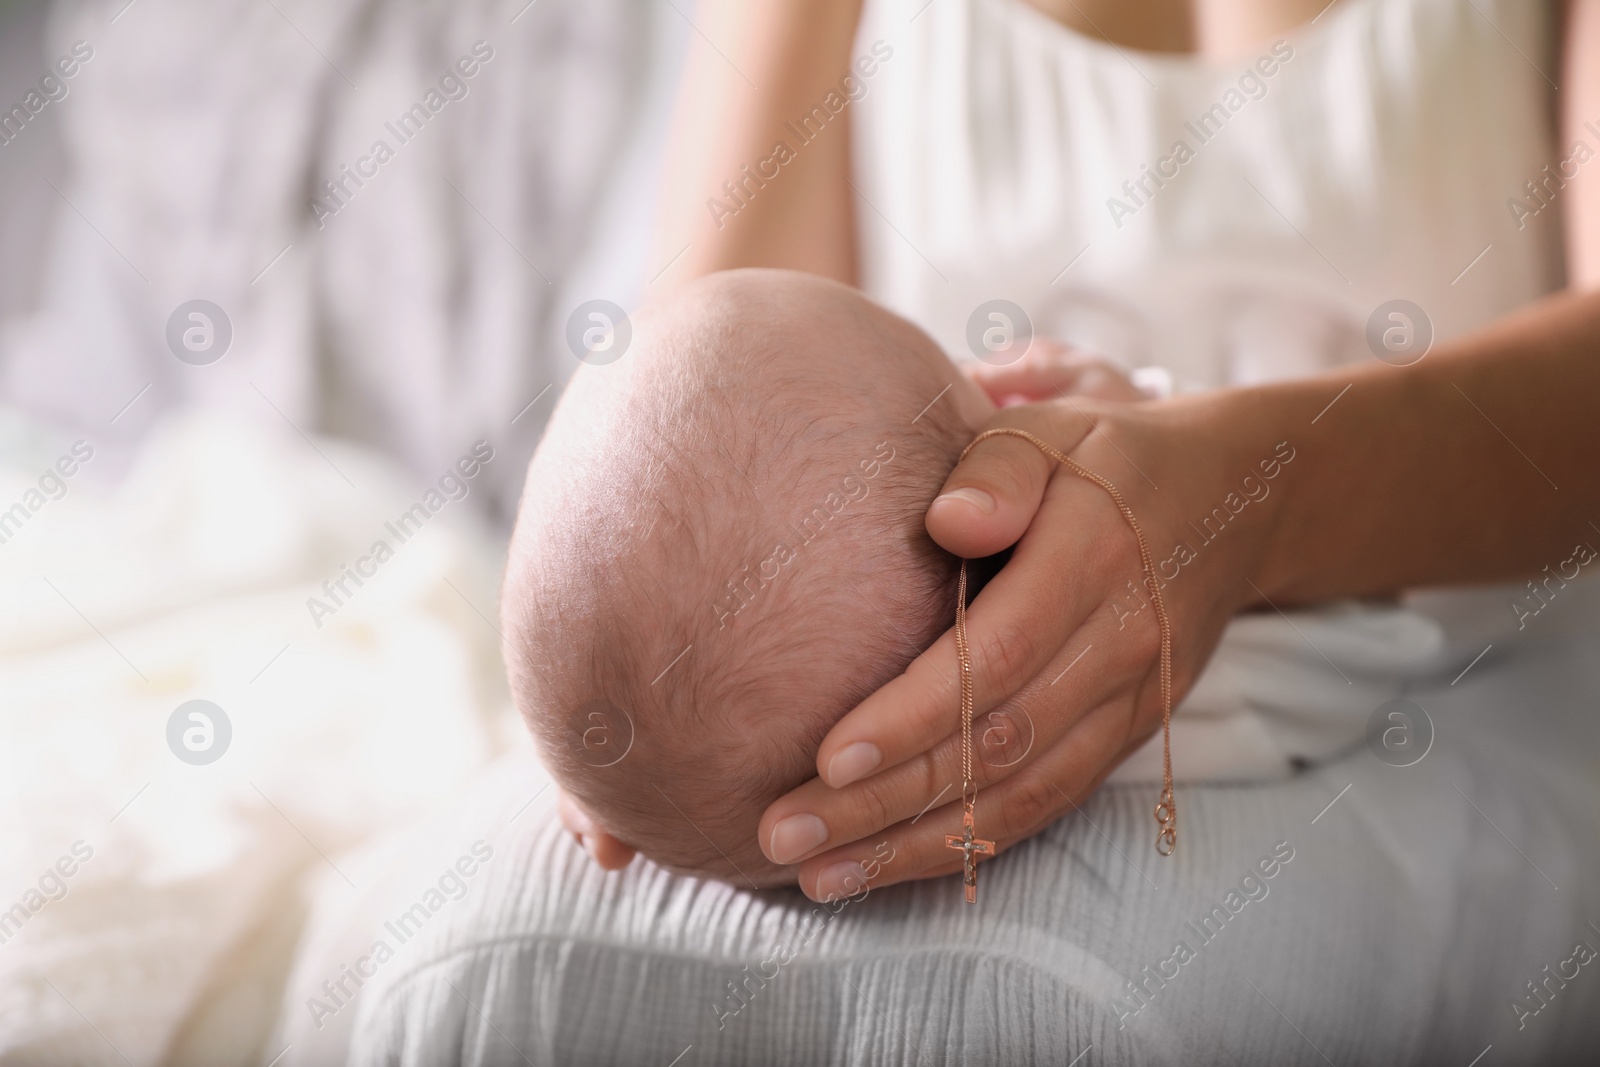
(720, 550)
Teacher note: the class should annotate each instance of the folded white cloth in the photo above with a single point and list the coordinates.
(1284, 691)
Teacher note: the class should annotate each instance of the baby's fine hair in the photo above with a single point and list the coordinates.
(721, 550)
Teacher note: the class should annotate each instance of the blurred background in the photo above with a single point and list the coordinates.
(238, 350)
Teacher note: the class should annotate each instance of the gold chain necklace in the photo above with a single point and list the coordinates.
(967, 842)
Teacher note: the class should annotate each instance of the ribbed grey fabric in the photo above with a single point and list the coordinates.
(1398, 933)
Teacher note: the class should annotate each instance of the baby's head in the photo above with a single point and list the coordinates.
(720, 550)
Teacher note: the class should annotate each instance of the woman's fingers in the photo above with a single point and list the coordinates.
(1016, 627)
(1019, 623)
(1026, 697)
(1006, 813)
(1005, 742)
(1010, 386)
(1052, 370)
(990, 499)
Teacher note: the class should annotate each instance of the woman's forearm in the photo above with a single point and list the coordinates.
(742, 189)
(1480, 463)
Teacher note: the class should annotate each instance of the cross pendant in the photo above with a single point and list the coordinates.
(970, 846)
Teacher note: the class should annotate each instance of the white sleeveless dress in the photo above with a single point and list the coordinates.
(1225, 223)
(1374, 162)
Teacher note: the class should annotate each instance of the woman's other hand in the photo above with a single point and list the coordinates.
(1051, 370)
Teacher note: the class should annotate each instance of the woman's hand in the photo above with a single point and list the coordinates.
(1064, 645)
(1050, 370)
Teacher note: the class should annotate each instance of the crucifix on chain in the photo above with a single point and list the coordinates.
(968, 843)
(970, 846)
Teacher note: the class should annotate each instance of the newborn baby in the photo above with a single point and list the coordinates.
(720, 550)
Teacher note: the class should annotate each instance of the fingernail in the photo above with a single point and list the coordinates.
(976, 497)
(840, 880)
(794, 836)
(853, 763)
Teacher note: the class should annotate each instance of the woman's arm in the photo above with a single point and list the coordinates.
(1480, 463)
(733, 197)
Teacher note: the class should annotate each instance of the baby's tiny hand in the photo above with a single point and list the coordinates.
(607, 851)
(1050, 370)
